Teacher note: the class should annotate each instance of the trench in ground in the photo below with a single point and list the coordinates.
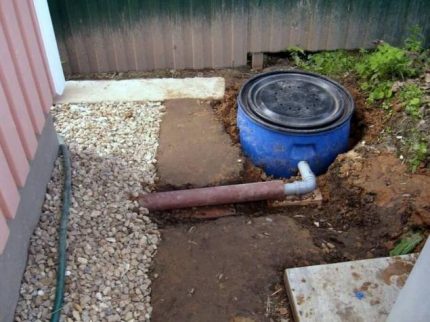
(230, 269)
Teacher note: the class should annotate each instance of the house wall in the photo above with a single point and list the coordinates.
(28, 142)
(26, 94)
(138, 35)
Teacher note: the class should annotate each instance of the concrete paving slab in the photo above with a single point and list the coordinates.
(159, 89)
(356, 291)
(194, 149)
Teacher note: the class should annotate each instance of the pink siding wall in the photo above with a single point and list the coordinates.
(4, 232)
(26, 91)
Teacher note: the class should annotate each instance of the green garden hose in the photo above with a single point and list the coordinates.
(62, 240)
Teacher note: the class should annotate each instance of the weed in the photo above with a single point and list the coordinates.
(380, 68)
(411, 97)
(378, 90)
(386, 63)
(414, 42)
(296, 49)
(388, 130)
(331, 63)
(298, 55)
(418, 150)
(387, 104)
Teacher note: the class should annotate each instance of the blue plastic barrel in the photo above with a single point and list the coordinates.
(289, 116)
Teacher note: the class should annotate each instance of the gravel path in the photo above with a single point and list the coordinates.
(110, 246)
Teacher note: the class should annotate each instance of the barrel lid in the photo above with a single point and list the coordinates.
(296, 101)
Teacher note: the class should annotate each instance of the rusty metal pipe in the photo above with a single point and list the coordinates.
(270, 190)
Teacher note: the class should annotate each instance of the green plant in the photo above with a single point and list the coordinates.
(407, 244)
(388, 129)
(386, 63)
(298, 55)
(296, 49)
(332, 63)
(414, 42)
(387, 105)
(411, 97)
(418, 149)
(380, 68)
(378, 90)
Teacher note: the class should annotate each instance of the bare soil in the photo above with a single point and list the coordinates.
(228, 269)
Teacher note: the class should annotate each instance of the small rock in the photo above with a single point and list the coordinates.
(330, 245)
(82, 260)
(77, 307)
(129, 316)
(114, 318)
(76, 315)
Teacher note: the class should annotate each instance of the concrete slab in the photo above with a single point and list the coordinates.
(160, 89)
(194, 149)
(356, 291)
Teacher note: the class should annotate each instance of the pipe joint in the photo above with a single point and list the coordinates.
(306, 185)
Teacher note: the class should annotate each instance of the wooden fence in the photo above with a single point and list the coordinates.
(138, 35)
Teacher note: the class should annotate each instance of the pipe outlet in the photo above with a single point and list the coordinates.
(306, 185)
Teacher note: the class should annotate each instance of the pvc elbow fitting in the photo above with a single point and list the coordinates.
(306, 185)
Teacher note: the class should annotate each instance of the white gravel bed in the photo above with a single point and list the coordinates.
(110, 246)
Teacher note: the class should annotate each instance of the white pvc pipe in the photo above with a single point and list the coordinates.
(50, 44)
(413, 302)
(306, 185)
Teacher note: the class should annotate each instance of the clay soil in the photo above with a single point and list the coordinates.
(230, 269)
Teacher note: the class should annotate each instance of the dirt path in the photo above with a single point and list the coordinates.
(227, 269)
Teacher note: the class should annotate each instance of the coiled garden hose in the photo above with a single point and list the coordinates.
(62, 239)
